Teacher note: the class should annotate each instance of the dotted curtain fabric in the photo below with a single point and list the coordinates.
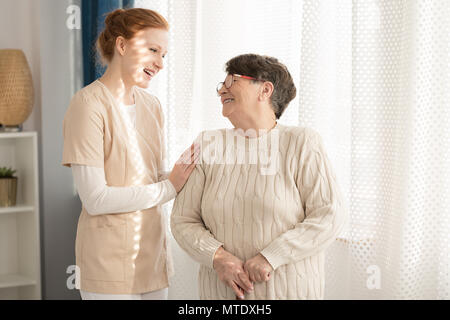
(373, 80)
(397, 245)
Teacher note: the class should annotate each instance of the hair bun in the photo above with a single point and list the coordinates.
(112, 16)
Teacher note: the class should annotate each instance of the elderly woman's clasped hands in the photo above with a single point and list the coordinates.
(238, 275)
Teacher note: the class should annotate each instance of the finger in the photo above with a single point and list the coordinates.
(189, 152)
(251, 277)
(196, 160)
(238, 291)
(186, 159)
(196, 157)
(182, 159)
(189, 169)
(263, 276)
(194, 148)
(193, 156)
(247, 285)
(191, 166)
(193, 151)
(243, 281)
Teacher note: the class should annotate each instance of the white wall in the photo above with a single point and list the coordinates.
(38, 27)
(60, 206)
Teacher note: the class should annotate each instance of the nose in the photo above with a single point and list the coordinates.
(222, 90)
(159, 63)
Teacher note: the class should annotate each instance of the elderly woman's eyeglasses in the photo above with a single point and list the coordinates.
(229, 81)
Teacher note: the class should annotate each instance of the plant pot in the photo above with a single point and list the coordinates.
(8, 192)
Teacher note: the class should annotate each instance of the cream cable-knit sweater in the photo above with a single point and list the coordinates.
(289, 215)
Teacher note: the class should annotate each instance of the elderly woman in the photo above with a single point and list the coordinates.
(259, 229)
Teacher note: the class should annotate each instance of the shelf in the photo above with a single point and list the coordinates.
(14, 209)
(23, 134)
(15, 280)
(10, 135)
(19, 224)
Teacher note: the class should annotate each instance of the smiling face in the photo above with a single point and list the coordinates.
(143, 56)
(240, 99)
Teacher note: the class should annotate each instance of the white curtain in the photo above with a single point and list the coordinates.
(373, 79)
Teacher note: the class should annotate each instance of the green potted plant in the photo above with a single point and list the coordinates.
(8, 187)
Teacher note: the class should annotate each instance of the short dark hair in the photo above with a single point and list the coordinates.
(269, 69)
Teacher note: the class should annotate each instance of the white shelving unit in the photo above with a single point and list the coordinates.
(19, 225)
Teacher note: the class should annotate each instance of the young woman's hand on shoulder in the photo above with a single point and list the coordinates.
(184, 167)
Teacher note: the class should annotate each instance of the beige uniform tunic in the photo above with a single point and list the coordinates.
(122, 253)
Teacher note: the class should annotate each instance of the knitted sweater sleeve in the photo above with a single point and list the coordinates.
(187, 224)
(325, 211)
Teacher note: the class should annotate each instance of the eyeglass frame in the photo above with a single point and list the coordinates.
(222, 83)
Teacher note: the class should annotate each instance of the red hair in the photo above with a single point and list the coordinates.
(126, 23)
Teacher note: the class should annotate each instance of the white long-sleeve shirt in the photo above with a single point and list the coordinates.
(98, 198)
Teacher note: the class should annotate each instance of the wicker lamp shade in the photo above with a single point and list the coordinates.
(16, 88)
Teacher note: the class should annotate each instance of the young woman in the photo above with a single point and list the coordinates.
(114, 143)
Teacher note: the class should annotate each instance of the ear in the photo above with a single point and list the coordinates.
(266, 90)
(121, 44)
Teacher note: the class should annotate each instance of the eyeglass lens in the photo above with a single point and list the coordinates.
(228, 83)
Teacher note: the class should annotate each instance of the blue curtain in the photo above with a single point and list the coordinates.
(93, 18)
